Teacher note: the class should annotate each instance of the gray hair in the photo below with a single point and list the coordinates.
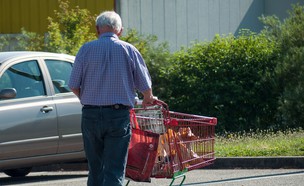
(109, 18)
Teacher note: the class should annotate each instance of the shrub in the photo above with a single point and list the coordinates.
(229, 78)
(30, 41)
(291, 105)
(290, 37)
(69, 29)
(4, 41)
(156, 55)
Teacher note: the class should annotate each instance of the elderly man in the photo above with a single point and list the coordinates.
(106, 74)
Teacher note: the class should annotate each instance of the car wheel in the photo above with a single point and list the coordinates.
(18, 172)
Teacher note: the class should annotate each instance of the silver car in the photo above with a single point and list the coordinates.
(39, 115)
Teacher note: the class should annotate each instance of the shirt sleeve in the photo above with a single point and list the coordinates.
(76, 74)
(142, 78)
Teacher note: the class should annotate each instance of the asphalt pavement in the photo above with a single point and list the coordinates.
(235, 171)
(200, 177)
(291, 162)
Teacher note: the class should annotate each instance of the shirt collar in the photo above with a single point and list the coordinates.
(108, 34)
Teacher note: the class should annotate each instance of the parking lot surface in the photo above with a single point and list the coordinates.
(215, 177)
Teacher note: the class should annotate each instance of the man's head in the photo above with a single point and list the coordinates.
(109, 21)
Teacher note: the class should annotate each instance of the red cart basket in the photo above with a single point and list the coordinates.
(185, 141)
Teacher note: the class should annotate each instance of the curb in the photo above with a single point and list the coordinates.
(258, 163)
(220, 163)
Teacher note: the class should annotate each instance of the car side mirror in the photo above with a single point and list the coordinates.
(8, 93)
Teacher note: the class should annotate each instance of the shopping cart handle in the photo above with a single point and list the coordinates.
(161, 103)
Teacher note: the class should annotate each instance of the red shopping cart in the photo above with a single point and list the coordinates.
(185, 141)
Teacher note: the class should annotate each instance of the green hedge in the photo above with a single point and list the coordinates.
(229, 78)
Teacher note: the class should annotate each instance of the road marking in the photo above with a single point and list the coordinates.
(249, 178)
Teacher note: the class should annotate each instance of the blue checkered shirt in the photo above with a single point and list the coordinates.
(108, 71)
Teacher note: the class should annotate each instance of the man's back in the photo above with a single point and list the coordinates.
(112, 70)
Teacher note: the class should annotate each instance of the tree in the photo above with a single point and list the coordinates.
(290, 68)
(67, 31)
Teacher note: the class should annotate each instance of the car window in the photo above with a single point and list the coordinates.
(25, 77)
(60, 72)
(5, 81)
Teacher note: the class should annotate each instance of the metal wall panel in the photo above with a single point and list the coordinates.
(158, 16)
(170, 22)
(32, 14)
(146, 18)
(193, 20)
(279, 7)
(181, 32)
(213, 18)
(182, 22)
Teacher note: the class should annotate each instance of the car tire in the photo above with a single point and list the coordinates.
(18, 172)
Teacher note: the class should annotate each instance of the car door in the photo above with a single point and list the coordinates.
(28, 124)
(68, 106)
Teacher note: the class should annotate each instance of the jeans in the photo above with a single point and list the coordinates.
(106, 136)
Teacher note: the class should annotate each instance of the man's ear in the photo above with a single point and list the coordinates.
(97, 30)
(120, 32)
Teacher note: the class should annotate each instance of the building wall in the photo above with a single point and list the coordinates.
(280, 7)
(182, 22)
(32, 14)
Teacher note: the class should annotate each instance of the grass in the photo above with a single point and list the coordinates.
(260, 143)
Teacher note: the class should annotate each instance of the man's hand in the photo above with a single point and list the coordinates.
(76, 91)
(148, 98)
(148, 101)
